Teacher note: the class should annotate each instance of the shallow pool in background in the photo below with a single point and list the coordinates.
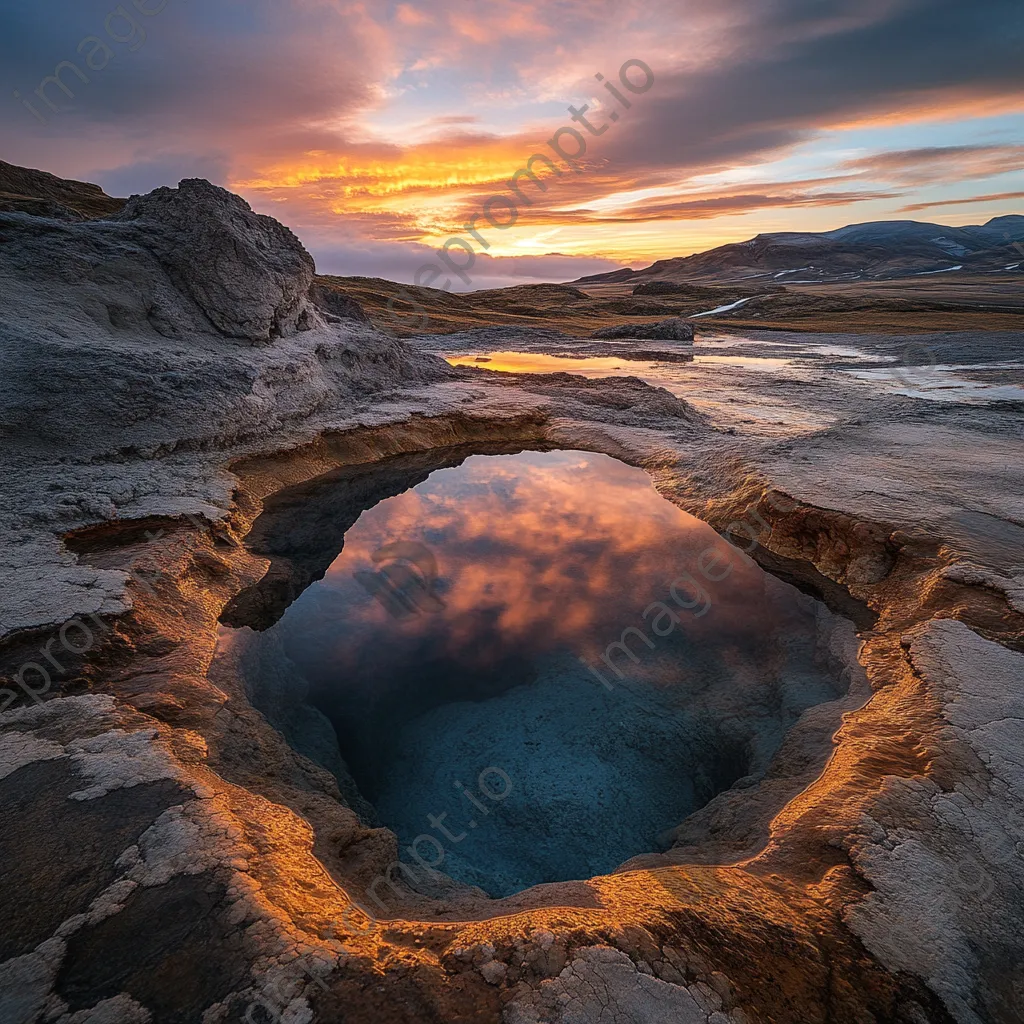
(668, 374)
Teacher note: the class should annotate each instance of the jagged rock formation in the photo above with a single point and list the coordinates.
(247, 273)
(186, 261)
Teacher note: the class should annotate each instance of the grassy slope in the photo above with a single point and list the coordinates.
(984, 303)
(557, 307)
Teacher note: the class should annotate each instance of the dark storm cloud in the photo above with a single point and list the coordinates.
(787, 67)
(800, 66)
(215, 67)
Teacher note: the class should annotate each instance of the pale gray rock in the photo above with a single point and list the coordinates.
(947, 863)
(247, 272)
(603, 986)
(26, 981)
(121, 1009)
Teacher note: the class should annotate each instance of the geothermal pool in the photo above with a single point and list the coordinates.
(533, 666)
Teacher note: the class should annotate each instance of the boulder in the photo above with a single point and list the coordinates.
(247, 272)
(658, 288)
(676, 328)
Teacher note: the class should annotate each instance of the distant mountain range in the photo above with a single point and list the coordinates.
(882, 250)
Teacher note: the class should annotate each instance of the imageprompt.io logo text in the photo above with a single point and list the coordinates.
(406, 583)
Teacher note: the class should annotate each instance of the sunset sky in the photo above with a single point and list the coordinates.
(375, 130)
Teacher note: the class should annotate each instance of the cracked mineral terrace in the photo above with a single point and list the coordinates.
(193, 428)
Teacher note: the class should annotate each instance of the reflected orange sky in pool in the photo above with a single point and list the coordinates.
(537, 552)
(538, 362)
(607, 366)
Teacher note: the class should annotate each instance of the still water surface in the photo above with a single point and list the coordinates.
(468, 626)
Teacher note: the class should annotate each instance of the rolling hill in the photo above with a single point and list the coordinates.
(884, 250)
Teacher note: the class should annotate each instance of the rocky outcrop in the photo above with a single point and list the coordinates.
(658, 288)
(247, 272)
(141, 352)
(622, 400)
(182, 263)
(676, 328)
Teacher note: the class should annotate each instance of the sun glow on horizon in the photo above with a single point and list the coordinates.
(429, 192)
